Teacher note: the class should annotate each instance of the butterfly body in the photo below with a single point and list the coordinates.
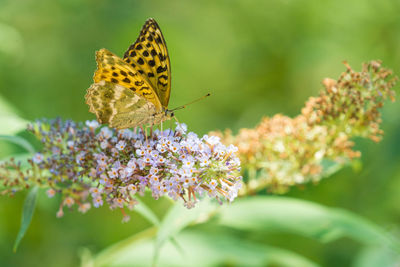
(135, 90)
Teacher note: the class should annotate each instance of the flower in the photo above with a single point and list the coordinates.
(38, 158)
(281, 152)
(96, 167)
(121, 145)
(92, 124)
(51, 192)
(181, 128)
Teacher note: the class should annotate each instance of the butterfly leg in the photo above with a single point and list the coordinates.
(176, 120)
(144, 132)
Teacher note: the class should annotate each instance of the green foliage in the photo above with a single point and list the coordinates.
(262, 215)
(208, 250)
(257, 58)
(10, 122)
(281, 214)
(29, 208)
(19, 141)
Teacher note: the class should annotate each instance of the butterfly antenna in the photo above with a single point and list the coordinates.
(194, 101)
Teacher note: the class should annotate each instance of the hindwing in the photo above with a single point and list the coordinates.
(120, 107)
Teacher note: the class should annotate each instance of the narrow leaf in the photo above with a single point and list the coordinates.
(113, 253)
(11, 123)
(179, 217)
(147, 213)
(27, 213)
(204, 249)
(282, 214)
(18, 141)
(377, 256)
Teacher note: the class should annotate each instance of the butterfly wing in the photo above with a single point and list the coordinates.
(119, 106)
(111, 68)
(149, 56)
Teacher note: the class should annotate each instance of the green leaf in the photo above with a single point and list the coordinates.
(19, 141)
(112, 253)
(179, 217)
(27, 213)
(11, 123)
(282, 214)
(147, 213)
(205, 249)
(330, 167)
(377, 256)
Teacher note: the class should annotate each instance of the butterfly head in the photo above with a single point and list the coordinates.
(169, 113)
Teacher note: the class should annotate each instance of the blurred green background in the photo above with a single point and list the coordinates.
(257, 58)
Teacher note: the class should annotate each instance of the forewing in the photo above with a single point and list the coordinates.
(112, 69)
(118, 106)
(149, 56)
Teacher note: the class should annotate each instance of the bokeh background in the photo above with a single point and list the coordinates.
(257, 58)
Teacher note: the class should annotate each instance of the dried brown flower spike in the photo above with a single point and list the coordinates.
(283, 151)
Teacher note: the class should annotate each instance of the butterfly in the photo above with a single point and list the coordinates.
(133, 90)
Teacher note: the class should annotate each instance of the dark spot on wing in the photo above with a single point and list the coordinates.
(115, 74)
(139, 47)
(123, 72)
(108, 95)
(161, 69)
(133, 54)
(139, 83)
(140, 61)
(150, 74)
(126, 80)
(152, 63)
(153, 53)
(114, 80)
(163, 77)
(145, 93)
(163, 84)
(162, 57)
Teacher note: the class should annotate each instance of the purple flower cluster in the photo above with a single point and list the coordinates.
(88, 165)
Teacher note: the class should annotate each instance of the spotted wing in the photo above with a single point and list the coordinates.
(118, 106)
(111, 68)
(149, 56)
